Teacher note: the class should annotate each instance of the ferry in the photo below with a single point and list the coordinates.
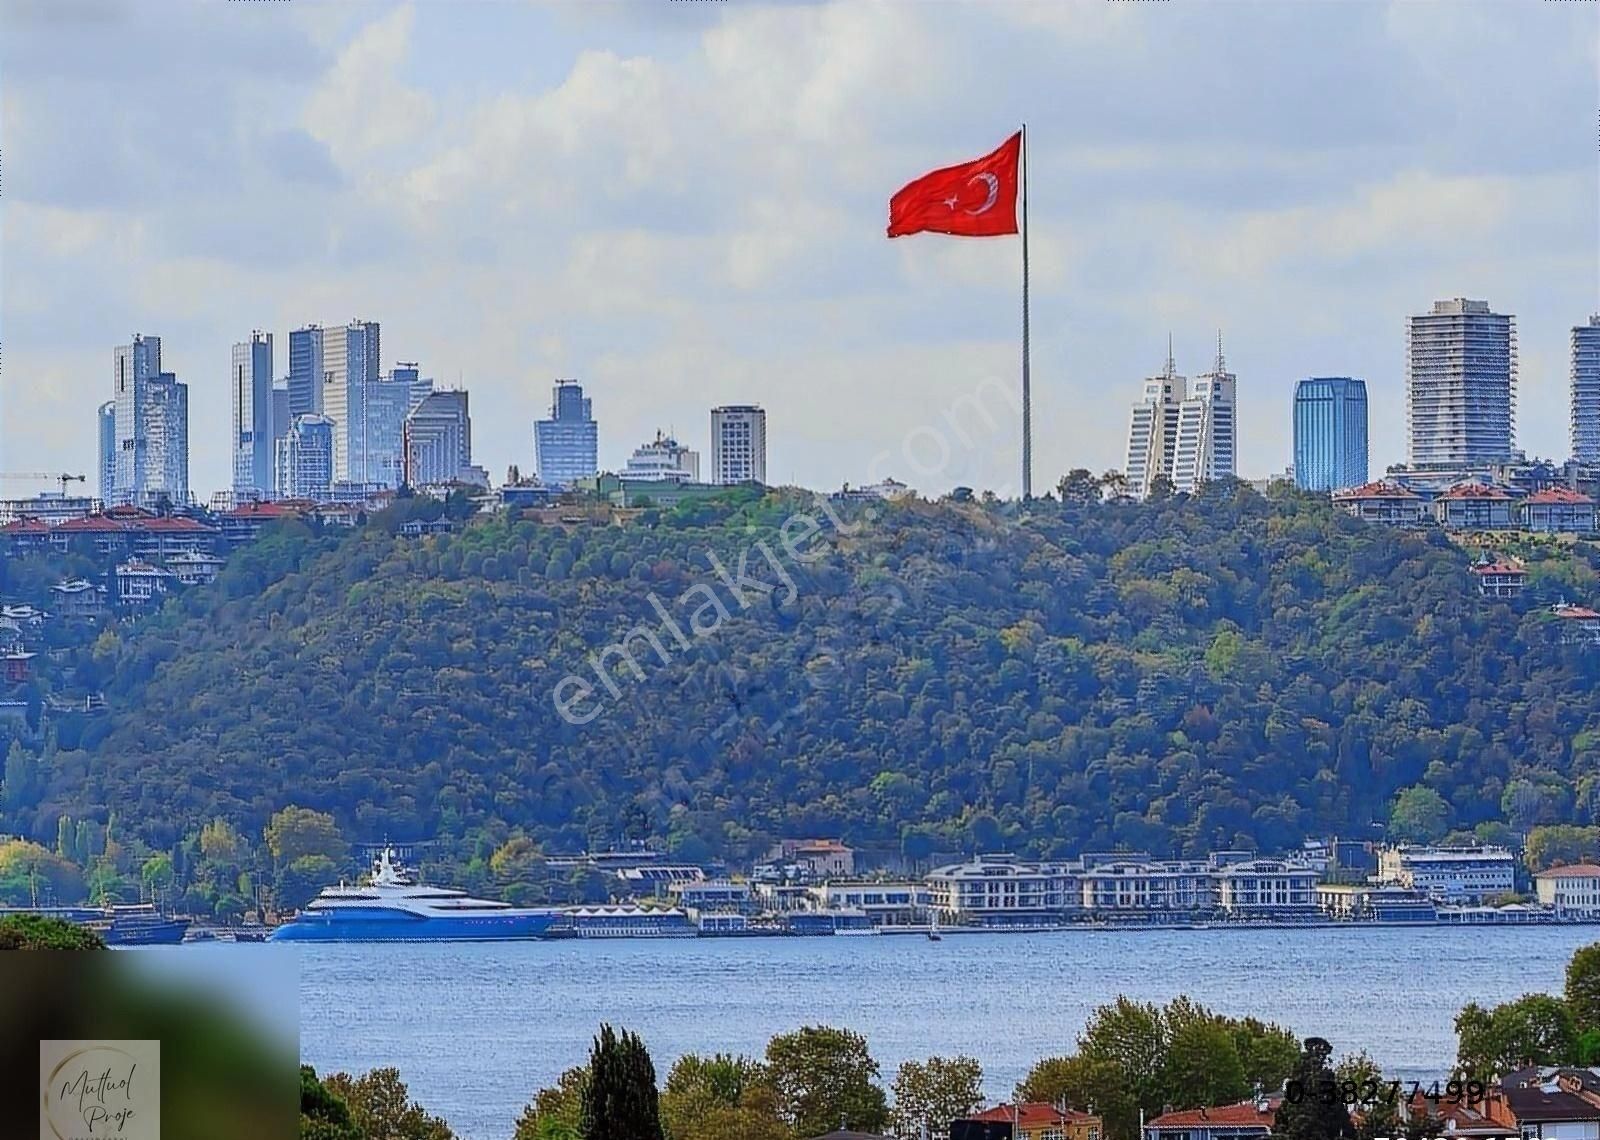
(393, 907)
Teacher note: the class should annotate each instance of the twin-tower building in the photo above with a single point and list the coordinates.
(1186, 433)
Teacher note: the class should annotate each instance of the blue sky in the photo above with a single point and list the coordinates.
(683, 205)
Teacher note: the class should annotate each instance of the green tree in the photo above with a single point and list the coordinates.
(381, 1106)
(32, 873)
(1419, 815)
(1202, 1065)
(1268, 1052)
(323, 1115)
(555, 1113)
(1101, 1087)
(297, 832)
(1583, 988)
(822, 1076)
(930, 1094)
(619, 1099)
(720, 1098)
(1536, 1029)
(298, 882)
(1315, 1110)
(1132, 1036)
(39, 932)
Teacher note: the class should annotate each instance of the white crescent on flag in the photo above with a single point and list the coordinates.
(994, 191)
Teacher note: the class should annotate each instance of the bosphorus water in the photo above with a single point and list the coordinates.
(475, 1029)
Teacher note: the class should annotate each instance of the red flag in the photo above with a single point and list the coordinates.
(975, 199)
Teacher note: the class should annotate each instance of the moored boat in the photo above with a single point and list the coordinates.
(393, 907)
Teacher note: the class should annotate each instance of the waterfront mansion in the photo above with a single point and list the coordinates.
(998, 890)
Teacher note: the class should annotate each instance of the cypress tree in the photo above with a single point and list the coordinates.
(619, 1099)
(1314, 1108)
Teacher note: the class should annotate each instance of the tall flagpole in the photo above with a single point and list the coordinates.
(1027, 403)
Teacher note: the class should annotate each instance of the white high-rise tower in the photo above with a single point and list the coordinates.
(1153, 429)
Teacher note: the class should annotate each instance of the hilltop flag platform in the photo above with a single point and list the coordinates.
(978, 199)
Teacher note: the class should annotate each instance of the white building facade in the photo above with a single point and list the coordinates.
(738, 444)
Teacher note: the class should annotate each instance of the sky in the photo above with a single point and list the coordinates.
(683, 205)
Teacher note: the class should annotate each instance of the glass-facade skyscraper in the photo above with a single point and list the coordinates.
(349, 372)
(305, 371)
(567, 445)
(150, 418)
(106, 421)
(251, 390)
(1586, 391)
(1330, 433)
(1461, 385)
(304, 459)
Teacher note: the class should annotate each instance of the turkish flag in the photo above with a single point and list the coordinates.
(975, 199)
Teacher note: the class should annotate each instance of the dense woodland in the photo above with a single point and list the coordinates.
(1221, 671)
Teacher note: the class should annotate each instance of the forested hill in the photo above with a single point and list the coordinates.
(1175, 676)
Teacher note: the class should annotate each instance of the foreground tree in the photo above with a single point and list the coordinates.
(720, 1098)
(823, 1077)
(1087, 1085)
(930, 1094)
(323, 1114)
(619, 1099)
(36, 932)
(1316, 1110)
(1583, 988)
(1536, 1029)
(382, 1108)
(556, 1113)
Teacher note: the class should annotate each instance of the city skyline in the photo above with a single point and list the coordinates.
(1194, 423)
(1308, 234)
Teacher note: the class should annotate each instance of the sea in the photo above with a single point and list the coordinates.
(476, 1028)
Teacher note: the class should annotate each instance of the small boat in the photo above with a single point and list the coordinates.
(933, 927)
(139, 924)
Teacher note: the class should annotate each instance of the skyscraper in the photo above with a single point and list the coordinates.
(251, 390)
(1461, 385)
(349, 367)
(1586, 391)
(387, 402)
(738, 444)
(1153, 428)
(281, 418)
(1330, 433)
(151, 424)
(438, 439)
(106, 419)
(304, 459)
(1207, 446)
(567, 445)
(407, 372)
(305, 371)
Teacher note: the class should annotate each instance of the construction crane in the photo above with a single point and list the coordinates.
(42, 476)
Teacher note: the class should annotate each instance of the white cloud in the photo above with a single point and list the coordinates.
(686, 208)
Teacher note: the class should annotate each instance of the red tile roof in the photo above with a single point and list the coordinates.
(1576, 871)
(176, 524)
(1474, 491)
(25, 525)
(95, 524)
(1504, 566)
(1562, 495)
(1582, 613)
(1377, 490)
(1244, 1113)
(1032, 1114)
